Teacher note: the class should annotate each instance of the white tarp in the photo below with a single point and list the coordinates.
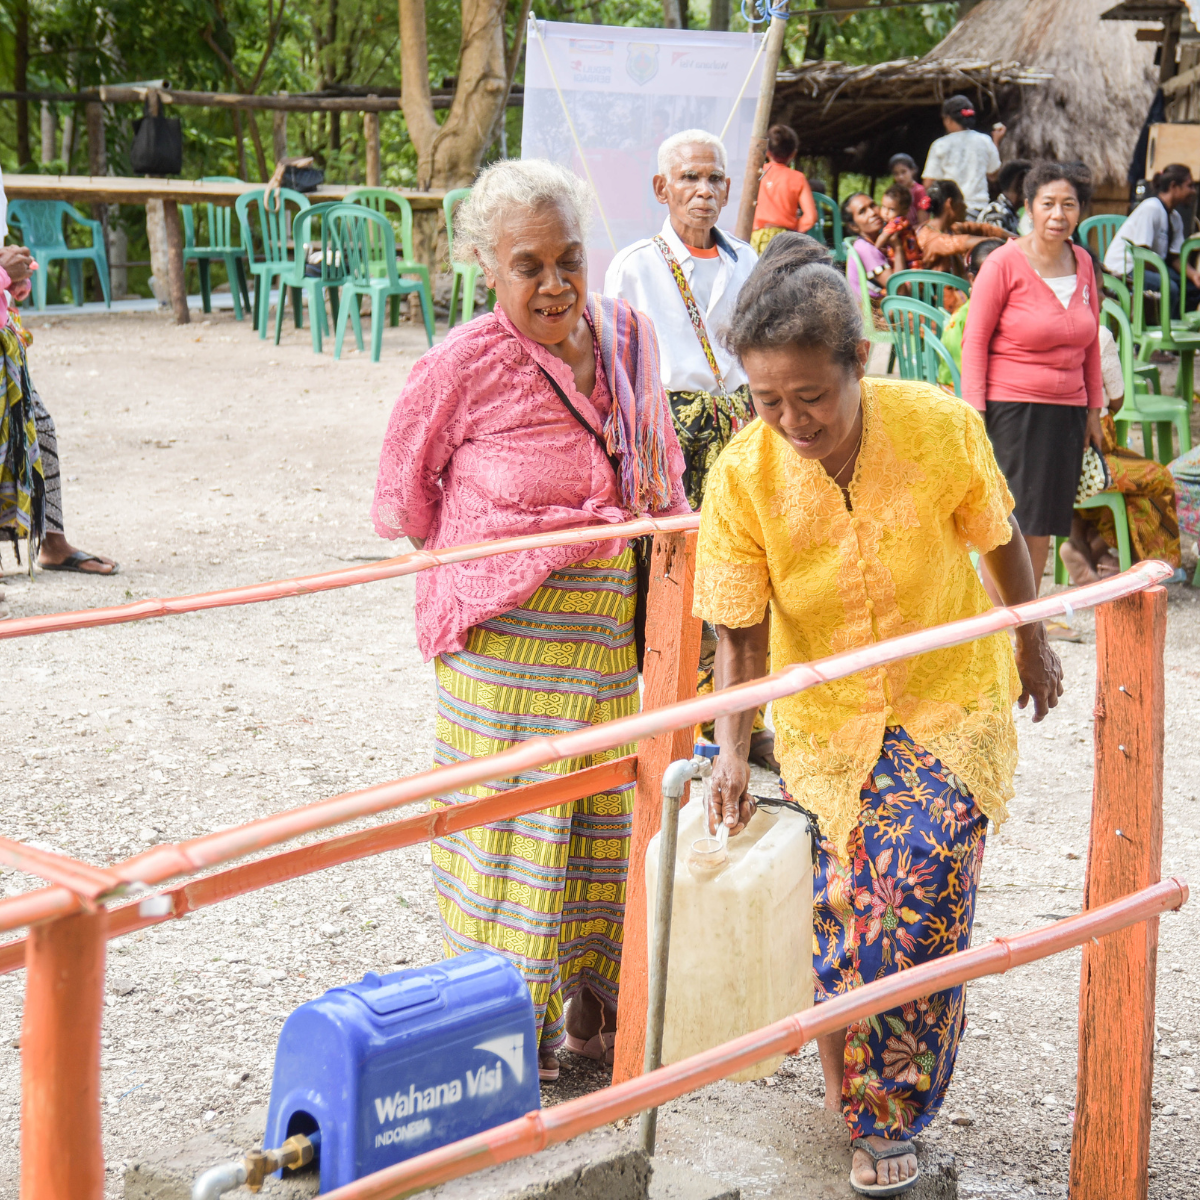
(627, 90)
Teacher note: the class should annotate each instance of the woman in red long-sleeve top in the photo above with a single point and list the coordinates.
(1031, 358)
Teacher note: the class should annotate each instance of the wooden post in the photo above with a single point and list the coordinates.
(371, 137)
(669, 674)
(176, 279)
(61, 1153)
(279, 120)
(762, 119)
(1111, 1147)
(98, 165)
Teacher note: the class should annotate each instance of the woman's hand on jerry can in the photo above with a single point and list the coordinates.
(729, 799)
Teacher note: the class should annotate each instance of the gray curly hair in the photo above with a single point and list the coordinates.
(511, 185)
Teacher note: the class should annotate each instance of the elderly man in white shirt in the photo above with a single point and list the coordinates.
(686, 279)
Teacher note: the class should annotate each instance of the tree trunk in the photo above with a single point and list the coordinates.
(21, 79)
(449, 155)
(49, 133)
(718, 15)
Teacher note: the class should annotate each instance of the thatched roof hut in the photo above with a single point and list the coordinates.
(1102, 80)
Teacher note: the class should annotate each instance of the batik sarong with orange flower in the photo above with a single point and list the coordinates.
(903, 895)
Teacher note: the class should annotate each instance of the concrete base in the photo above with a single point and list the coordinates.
(671, 1182)
(169, 1174)
(774, 1142)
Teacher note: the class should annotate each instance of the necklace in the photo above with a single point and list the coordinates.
(853, 453)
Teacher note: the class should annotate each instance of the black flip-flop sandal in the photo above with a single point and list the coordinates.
(74, 562)
(757, 758)
(891, 1150)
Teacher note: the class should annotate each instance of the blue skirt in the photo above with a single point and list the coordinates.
(904, 895)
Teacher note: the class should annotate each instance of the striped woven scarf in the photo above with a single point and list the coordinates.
(637, 426)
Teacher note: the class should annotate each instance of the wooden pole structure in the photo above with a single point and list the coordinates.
(1111, 1148)
(175, 268)
(61, 1153)
(98, 165)
(762, 119)
(371, 137)
(669, 674)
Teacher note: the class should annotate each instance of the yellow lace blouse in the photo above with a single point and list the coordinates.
(775, 529)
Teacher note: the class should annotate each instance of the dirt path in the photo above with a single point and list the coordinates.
(201, 457)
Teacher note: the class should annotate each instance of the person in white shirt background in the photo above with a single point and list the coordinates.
(54, 553)
(964, 155)
(1157, 225)
(686, 279)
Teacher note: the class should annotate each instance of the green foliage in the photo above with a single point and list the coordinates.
(870, 37)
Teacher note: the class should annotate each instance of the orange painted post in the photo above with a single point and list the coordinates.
(61, 1153)
(669, 674)
(1111, 1147)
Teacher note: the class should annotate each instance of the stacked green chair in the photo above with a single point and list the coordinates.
(220, 246)
(330, 267)
(827, 208)
(1166, 414)
(936, 354)
(927, 286)
(465, 275)
(1167, 332)
(41, 223)
(1104, 227)
(379, 200)
(365, 240)
(908, 321)
(278, 256)
(870, 332)
(1190, 246)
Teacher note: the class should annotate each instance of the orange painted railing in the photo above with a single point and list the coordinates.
(64, 952)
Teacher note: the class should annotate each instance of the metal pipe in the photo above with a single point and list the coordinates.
(217, 1180)
(392, 568)
(537, 1130)
(675, 777)
(168, 861)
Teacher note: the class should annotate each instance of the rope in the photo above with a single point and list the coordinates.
(762, 41)
(571, 126)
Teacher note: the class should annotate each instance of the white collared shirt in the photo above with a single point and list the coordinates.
(640, 275)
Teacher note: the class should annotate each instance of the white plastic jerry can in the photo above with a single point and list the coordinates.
(741, 931)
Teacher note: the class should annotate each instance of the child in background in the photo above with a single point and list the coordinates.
(898, 240)
(904, 173)
(785, 199)
(952, 333)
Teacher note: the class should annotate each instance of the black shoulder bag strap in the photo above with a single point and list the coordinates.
(613, 460)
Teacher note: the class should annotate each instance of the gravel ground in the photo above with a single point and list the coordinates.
(201, 457)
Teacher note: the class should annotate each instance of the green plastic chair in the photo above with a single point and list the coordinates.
(927, 286)
(1166, 333)
(1166, 414)
(41, 223)
(908, 319)
(220, 246)
(278, 258)
(1115, 503)
(366, 240)
(855, 264)
(936, 354)
(1190, 246)
(331, 270)
(1104, 226)
(828, 209)
(378, 200)
(465, 275)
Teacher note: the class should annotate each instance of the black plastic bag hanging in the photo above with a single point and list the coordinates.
(157, 145)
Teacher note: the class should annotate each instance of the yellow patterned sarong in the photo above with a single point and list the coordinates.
(546, 890)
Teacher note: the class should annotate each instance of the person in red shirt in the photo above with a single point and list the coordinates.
(785, 201)
(1031, 358)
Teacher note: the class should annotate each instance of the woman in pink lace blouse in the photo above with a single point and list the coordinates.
(546, 414)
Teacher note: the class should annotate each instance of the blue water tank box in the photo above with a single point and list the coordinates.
(403, 1063)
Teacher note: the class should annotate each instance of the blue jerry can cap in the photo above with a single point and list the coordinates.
(385, 994)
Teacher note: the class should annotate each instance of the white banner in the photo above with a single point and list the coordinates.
(627, 90)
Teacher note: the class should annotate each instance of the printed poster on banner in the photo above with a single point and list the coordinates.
(627, 90)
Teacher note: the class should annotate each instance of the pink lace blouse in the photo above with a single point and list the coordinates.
(479, 447)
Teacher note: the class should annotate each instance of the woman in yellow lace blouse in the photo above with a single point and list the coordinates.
(845, 515)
